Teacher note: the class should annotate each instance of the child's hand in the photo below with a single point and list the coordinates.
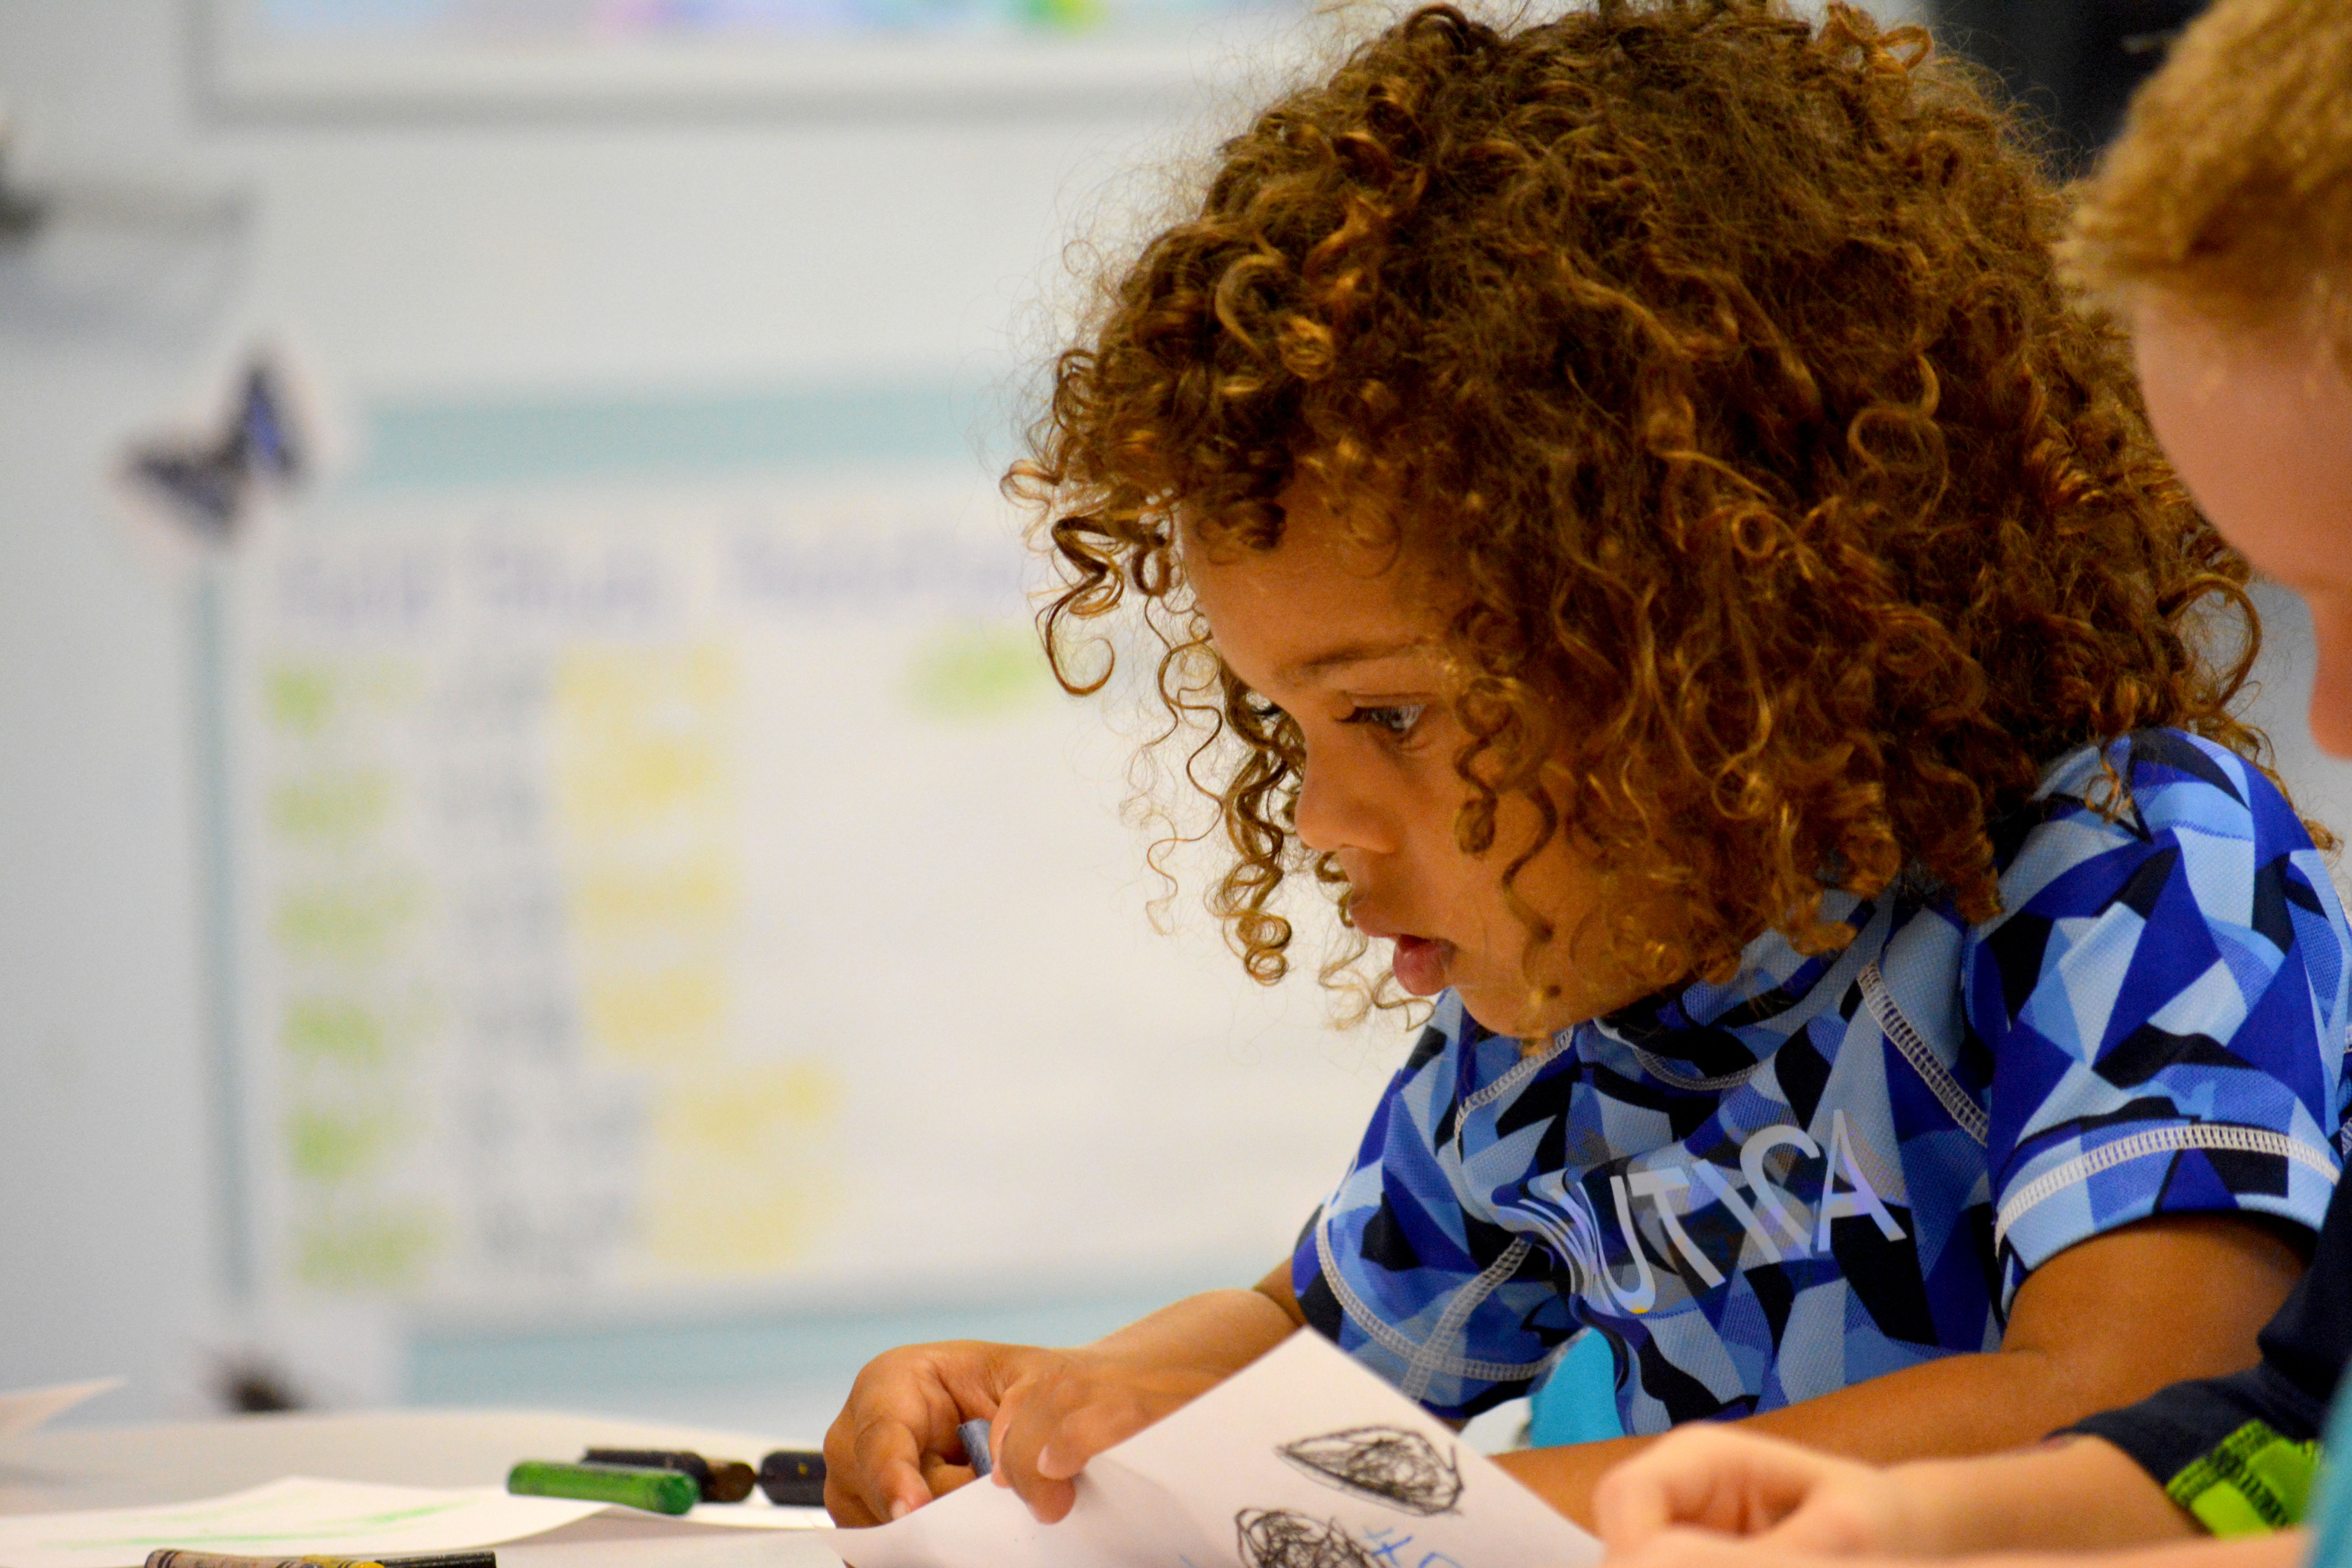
(894, 1445)
(1062, 1412)
(1739, 1483)
(1689, 1548)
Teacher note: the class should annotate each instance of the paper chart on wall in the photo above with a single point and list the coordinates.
(1302, 1460)
(663, 891)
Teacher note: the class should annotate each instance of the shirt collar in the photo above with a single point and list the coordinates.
(1709, 1031)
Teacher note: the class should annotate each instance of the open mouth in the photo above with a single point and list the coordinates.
(1420, 964)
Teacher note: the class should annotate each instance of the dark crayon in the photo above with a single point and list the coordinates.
(732, 1480)
(794, 1478)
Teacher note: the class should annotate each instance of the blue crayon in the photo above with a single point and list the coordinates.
(974, 1434)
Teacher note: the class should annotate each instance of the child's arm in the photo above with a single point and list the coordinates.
(1696, 1549)
(2102, 1324)
(2070, 1493)
(890, 1450)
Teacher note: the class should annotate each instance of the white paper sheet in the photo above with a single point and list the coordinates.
(755, 1512)
(26, 1408)
(577, 1546)
(285, 1518)
(295, 1515)
(1305, 1458)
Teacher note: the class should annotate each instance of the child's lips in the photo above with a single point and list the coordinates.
(1420, 963)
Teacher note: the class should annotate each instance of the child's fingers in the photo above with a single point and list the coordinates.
(1686, 1548)
(1843, 1514)
(874, 1472)
(897, 1427)
(1110, 1418)
(1049, 1502)
(1629, 1511)
(1025, 1422)
(1734, 1483)
(942, 1476)
(1682, 1480)
(1049, 1427)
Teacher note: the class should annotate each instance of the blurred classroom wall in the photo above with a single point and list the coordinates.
(436, 261)
(632, 254)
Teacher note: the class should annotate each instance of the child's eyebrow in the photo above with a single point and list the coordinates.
(1300, 673)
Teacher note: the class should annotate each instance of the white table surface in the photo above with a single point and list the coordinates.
(117, 1466)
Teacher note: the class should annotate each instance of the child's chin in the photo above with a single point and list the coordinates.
(1491, 1009)
(1509, 1010)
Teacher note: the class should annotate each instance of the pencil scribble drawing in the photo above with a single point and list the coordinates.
(1387, 1464)
(1277, 1538)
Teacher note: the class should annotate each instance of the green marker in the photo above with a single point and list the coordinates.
(656, 1491)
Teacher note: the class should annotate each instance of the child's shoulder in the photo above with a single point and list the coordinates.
(2171, 779)
(2187, 809)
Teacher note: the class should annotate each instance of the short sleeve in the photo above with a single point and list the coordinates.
(2164, 1001)
(1398, 1268)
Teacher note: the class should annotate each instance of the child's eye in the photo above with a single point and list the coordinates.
(1265, 713)
(1396, 719)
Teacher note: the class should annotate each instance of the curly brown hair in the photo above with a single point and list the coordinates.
(1717, 360)
(2229, 190)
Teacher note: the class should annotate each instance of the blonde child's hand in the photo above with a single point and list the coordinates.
(1739, 1483)
(1685, 1547)
(1698, 1549)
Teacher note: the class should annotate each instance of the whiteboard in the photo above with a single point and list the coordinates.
(675, 887)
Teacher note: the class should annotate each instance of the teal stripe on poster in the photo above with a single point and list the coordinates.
(454, 445)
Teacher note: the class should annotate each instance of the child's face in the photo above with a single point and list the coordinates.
(2259, 428)
(1344, 638)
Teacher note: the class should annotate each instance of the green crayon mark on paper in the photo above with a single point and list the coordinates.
(221, 1532)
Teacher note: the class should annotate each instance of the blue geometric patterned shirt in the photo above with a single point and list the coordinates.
(1836, 1167)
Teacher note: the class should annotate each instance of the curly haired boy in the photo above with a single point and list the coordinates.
(2221, 223)
(1658, 543)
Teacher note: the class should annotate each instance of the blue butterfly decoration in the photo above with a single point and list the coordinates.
(210, 484)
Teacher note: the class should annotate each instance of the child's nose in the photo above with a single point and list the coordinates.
(1339, 810)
